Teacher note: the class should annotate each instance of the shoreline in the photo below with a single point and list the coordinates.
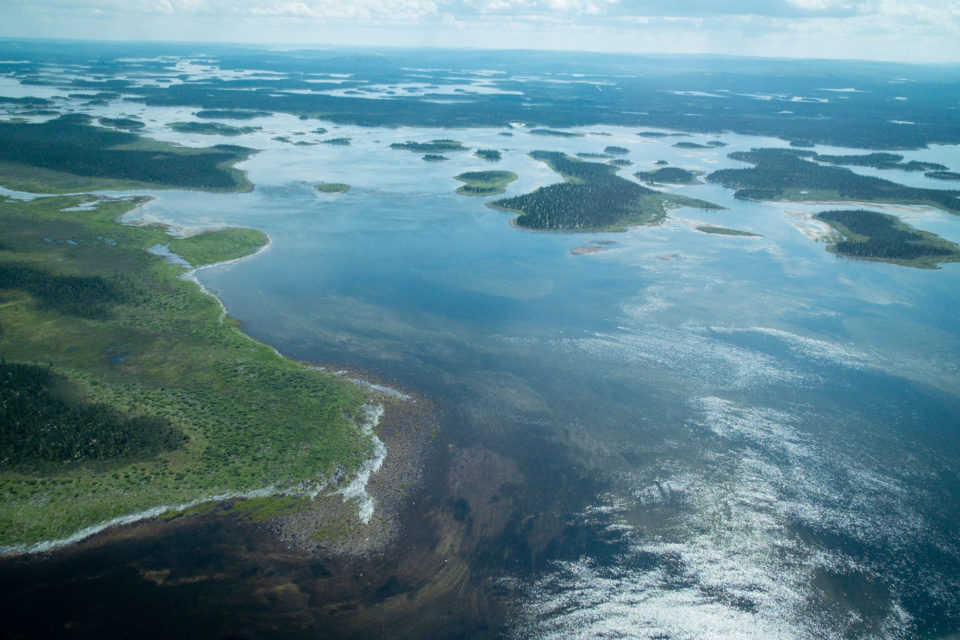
(359, 479)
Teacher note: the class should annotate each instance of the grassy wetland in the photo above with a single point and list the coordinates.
(94, 325)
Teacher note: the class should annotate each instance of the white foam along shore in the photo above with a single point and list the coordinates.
(357, 489)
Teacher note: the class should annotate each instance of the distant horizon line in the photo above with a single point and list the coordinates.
(319, 47)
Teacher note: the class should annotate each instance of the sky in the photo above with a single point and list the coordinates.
(900, 30)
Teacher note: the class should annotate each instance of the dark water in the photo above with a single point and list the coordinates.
(685, 436)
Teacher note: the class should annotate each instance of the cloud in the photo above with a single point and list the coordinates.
(914, 30)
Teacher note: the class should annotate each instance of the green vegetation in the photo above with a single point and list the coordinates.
(269, 507)
(122, 123)
(617, 151)
(70, 154)
(218, 246)
(484, 183)
(869, 235)
(881, 161)
(230, 114)
(488, 154)
(725, 231)
(668, 175)
(586, 155)
(141, 394)
(620, 162)
(434, 146)
(555, 133)
(593, 198)
(434, 157)
(713, 144)
(43, 422)
(786, 174)
(337, 142)
(332, 187)
(943, 175)
(210, 128)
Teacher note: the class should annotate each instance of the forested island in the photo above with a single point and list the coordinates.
(210, 128)
(69, 153)
(230, 114)
(488, 154)
(726, 231)
(125, 389)
(870, 235)
(668, 175)
(484, 183)
(593, 198)
(788, 174)
(122, 123)
(332, 187)
(433, 146)
(880, 161)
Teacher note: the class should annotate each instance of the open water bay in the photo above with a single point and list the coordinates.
(680, 436)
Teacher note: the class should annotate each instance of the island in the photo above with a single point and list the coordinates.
(713, 144)
(593, 198)
(230, 114)
(614, 150)
(433, 146)
(943, 175)
(332, 187)
(788, 174)
(668, 175)
(125, 390)
(881, 237)
(122, 123)
(70, 154)
(484, 183)
(488, 154)
(725, 231)
(555, 133)
(880, 161)
(337, 142)
(210, 128)
(434, 157)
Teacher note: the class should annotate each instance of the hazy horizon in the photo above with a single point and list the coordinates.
(922, 31)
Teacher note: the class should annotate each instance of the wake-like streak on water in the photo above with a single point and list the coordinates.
(771, 532)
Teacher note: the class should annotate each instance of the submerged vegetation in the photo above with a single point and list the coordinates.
(70, 154)
(786, 174)
(137, 392)
(593, 198)
(869, 235)
(484, 183)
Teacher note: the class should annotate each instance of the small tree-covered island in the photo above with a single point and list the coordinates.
(593, 198)
(870, 235)
(484, 183)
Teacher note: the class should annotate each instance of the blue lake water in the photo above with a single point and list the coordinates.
(771, 429)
